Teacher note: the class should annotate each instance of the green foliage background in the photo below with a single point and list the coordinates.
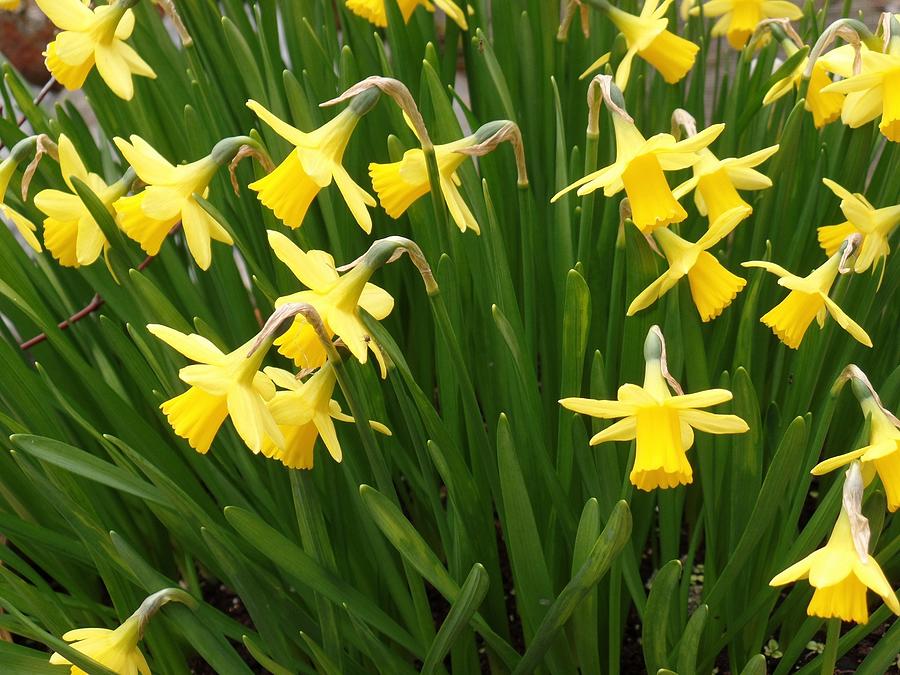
(486, 476)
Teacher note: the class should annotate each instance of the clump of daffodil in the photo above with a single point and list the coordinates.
(71, 234)
(94, 37)
(737, 19)
(881, 454)
(337, 298)
(716, 181)
(661, 423)
(304, 411)
(876, 86)
(875, 226)
(313, 163)
(808, 299)
(401, 183)
(712, 286)
(374, 10)
(118, 649)
(640, 164)
(221, 385)
(824, 106)
(647, 36)
(843, 569)
(148, 216)
(7, 168)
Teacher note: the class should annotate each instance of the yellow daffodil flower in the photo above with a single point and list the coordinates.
(808, 299)
(661, 423)
(399, 184)
(647, 36)
(712, 286)
(222, 385)
(116, 649)
(717, 181)
(842, 571)
(874, 225)
(825, 107)
(10, 5)
(875, 90)
(24, 226)
(336, 298)
(150, 215)
(374, 10)
(882, 453)
(71, 234)
(313, 164)
(739, 18)
(93, 36)
(305, 411)
(639, 170)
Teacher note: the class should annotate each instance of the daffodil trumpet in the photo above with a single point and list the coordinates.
(647, 36)
(843, 570)
(170, 196)
(313, 164)
(808, 298)
(17, 154)
(661, 424)
(712, 286)
(881, 454)
(118, 649)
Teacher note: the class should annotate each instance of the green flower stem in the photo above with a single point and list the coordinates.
(528, 226)
(586, 226)
(829, 656)
(437, 196)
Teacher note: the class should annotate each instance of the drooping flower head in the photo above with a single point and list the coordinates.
(882, 453)
(875, 226)
(93, 37)
(118, 649)
(712, 286)
(639, 168)
(221, 385)
(147, 217)
(825, 107)
(843, 570)
(337, 298)
(304, 411)
(716, 181)
(661, 424)
(808, 299)
(7, 168)
(401, 183)
(374, 10)
(313, 163)
(647, 36)
(875, 89)
(71, 234)
(737, 19)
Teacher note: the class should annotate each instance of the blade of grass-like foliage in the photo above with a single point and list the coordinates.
(656, 616)
(471, 594)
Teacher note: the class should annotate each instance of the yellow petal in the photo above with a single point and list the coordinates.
(846, 322)
(114, 70)
(713, 423)
(356, 198)
(150, 166)
(195, 347)
(67, 14)
(829, 465)
(699, 399)
(623, 430)
(313, 272)
(252, 419)
(596, 408)
(376, 301)
(282, 128)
